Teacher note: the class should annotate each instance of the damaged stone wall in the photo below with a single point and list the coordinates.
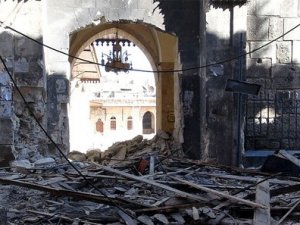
(6, 123)
(272, 117)
(21, 136)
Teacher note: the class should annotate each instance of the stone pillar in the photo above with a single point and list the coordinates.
(58, 98)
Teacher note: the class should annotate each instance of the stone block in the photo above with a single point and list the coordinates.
(268, 7)
(275, 28)
(289, 8)
(268, 51)
(259, 68)
(5, 93)
(27, 48)
(285, 77)
(290, 23)
(4, 78)
(6, 155)
(296, 52)
(5, 109)
(257, 28)
(21, 65)
(31, 94)
(34, 76)
(6, 131)
(284, 52)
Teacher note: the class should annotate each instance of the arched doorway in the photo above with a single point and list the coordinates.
(148, 123)
(161, 51)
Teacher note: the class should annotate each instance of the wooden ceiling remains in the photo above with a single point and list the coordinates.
(86, 71)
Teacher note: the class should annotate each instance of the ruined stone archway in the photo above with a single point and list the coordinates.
(161, 51)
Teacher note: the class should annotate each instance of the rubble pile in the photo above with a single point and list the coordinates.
(126, 151)
(149, 186)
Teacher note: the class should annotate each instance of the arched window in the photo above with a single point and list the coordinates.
(99, 126)
(148, 123)
(129, 123)
(113, 123)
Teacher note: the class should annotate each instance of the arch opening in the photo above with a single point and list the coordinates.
(106, 106)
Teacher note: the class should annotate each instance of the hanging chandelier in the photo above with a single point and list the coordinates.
(117, 60)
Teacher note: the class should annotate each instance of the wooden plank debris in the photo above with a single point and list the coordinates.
(61, 192)
(220, 194)
(204, 193)
(153, 183)
(288, 213)
(290, 157)
(262, 216)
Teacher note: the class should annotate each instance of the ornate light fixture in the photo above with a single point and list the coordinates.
(117, 60)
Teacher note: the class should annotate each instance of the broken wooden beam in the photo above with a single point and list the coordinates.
(290, 157)
(156, 184)
(262, 216)
(75, 194)
(220, 194)
(288, 213)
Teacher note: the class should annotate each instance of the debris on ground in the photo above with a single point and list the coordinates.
(145, 182)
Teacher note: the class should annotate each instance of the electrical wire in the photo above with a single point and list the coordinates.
(151, 71)
(132, 69)
(54, 143)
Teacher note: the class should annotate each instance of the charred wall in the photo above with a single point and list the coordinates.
(225, 39)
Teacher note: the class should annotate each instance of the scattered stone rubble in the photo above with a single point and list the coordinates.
(145, 182)
(161, 143)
